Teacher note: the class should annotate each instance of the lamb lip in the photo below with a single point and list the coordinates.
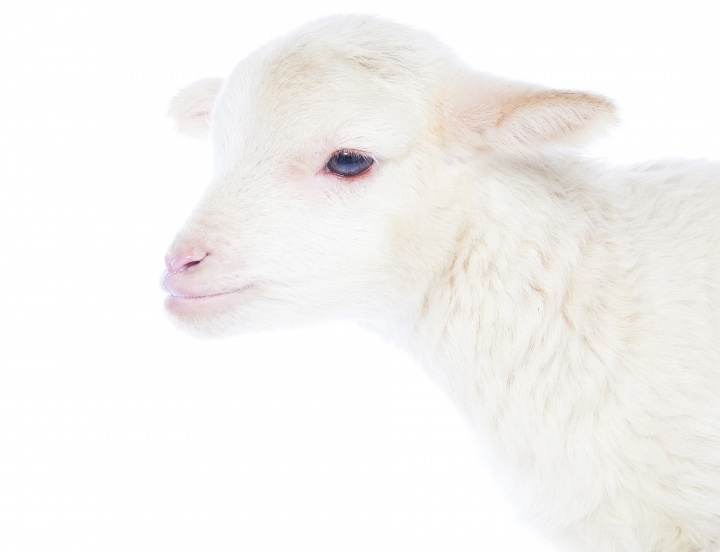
(179, 296)
(209, 295)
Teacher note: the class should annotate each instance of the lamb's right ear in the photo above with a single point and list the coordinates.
(192, 107)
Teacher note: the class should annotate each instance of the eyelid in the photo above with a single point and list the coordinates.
(351, 151)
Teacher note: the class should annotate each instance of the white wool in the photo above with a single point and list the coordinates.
(571, 308)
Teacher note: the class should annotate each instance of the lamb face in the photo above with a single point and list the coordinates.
(318, 159)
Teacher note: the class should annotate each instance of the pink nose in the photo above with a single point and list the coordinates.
(184, 261)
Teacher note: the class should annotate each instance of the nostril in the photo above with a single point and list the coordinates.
(183, 262)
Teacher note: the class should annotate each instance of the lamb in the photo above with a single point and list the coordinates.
(571, 308)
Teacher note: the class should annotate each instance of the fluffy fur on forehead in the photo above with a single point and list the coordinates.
(382, 48)
(360, 58)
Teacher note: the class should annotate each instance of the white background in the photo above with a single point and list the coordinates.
(118, 432)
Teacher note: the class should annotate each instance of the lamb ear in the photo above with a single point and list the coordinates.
(510, 116)
(193, 105)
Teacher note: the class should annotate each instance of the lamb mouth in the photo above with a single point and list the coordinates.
(181, 296)
(205, 305)
(209, 295)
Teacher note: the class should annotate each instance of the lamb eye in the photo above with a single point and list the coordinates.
(348, 163)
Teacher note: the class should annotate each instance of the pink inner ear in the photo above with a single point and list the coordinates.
(205, 115)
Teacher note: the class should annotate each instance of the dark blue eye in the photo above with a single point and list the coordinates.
(348, 163)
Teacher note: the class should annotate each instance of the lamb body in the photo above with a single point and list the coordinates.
(572, 309)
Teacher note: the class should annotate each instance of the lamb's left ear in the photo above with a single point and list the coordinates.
(506, 116)
(193, 105)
